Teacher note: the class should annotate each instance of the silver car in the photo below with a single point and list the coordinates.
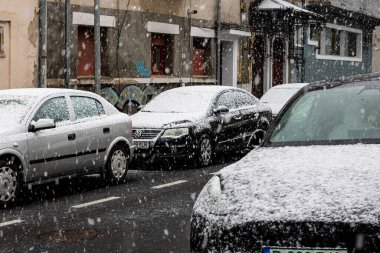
(50, 133)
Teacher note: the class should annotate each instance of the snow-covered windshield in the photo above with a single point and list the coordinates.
(349, 112)
(13, 109)
(180, 102)
(278, 96)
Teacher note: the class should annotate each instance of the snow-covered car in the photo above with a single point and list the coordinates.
(313, 185)
(277, 96)
(50, 133)
(197, 121)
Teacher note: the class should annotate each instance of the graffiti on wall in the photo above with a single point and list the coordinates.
(130, 97)
(141, 69)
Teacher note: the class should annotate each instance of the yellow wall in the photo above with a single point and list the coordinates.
(18, 67)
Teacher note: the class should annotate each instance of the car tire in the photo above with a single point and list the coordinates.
(10, 182)
(205, 151)
(117, 165)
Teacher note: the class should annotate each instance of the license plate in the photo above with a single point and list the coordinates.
(301, 250)
(141, 144)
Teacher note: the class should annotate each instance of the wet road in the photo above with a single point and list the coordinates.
(149, 213)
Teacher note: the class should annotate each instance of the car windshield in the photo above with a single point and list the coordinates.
(180, 102)
(346, 113)
(13, 109)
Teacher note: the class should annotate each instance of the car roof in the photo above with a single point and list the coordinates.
(40, 92)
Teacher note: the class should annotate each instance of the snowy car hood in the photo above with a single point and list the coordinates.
(313, 184)
(161, 120)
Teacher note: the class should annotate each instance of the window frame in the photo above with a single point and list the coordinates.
(342, 29)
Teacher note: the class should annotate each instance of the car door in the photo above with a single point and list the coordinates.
(52, 151)
(250, 116)
(228, 124)
(94, 134)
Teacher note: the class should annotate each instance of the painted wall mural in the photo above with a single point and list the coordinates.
(130, 97)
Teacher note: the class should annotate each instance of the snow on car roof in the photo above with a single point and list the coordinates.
(38, 92)
(203, 88)
(290, 86)
(299, 184)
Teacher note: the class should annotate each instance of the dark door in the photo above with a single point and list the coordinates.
(228, 124)
(86, 51)
(278, 62)
(258, 67)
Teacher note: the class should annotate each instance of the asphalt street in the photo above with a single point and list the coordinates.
(149, 213)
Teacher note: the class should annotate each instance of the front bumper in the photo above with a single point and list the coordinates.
(166, 149)
(213, 236)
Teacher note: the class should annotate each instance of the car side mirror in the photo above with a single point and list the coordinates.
(41, 124)
(221, 109)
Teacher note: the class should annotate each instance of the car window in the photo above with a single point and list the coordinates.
(54, 108)
(227, 99)
(86, 107)
(242, 99)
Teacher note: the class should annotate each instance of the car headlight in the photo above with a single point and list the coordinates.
(175, 132)
(212, 200)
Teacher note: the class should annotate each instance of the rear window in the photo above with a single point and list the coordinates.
(86, 107)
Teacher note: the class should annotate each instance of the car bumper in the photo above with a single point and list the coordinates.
(212, 235)
(132, 149)
(166, 149)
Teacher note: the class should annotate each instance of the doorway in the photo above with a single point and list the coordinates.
(258, 66)
(278, 62)
(227, 63)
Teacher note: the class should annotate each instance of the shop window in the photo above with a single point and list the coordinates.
(2, 51)
(340, 43)
(201, 56)
(162, 54)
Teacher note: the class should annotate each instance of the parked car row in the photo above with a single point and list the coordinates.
(51, 133)
(312, 186)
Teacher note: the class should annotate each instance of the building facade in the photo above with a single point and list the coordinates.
(149, 47)
(306, 41)
(18, 43)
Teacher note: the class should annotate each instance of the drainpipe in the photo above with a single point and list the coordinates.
(218, 48)
(42, 44)
(97, 45)
(67, 42)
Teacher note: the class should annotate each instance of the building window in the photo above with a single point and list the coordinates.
(2, 51)
(162, 54)
(340, 43)
(201, 56)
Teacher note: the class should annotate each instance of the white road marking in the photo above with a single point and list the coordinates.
(12, 222)
(213, 173)
(95, 202)
(169, 184)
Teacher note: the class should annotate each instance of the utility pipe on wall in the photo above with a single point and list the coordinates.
(42, 19)
(218, 46)
(67, 42)
(97, 46)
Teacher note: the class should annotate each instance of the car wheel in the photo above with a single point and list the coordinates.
(205, 151)
(117, 164)
(10, 183)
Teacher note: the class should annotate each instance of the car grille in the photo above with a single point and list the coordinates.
(146, 134)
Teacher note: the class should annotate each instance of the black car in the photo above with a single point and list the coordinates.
(197, 121)
(311, 187)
